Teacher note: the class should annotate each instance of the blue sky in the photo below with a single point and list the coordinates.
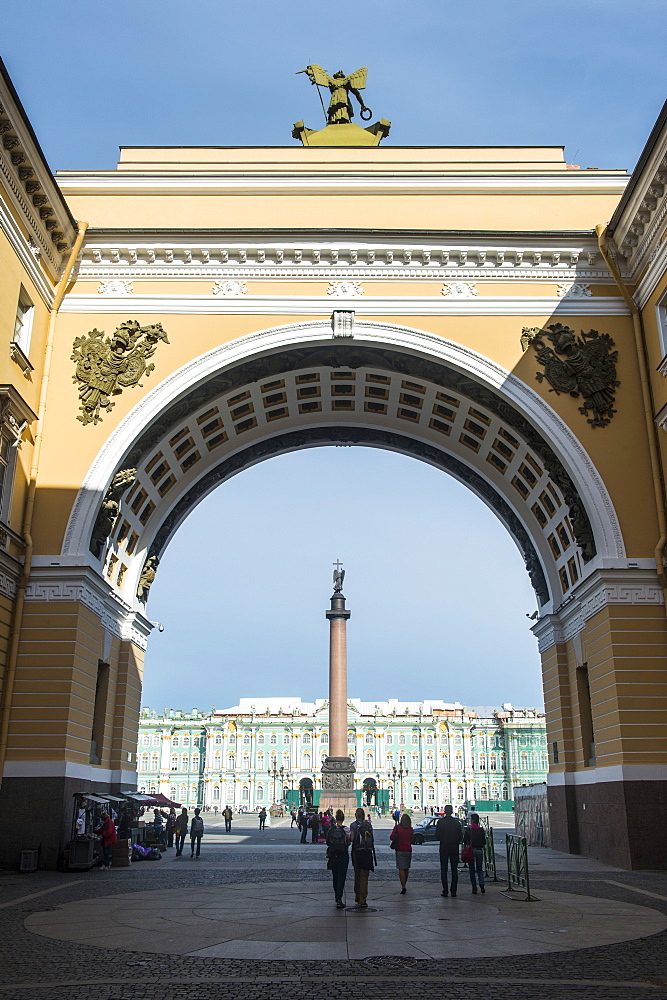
(437, 588)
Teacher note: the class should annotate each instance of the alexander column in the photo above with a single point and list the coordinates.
(338, 768)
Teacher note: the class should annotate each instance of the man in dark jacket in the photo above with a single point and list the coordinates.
(448, 833)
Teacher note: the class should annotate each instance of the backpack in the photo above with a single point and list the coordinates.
(364, 840)
(197, 825)
(337, 840)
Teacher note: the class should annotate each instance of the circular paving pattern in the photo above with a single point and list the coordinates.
(298, 920)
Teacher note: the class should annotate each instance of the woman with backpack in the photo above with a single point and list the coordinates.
(337, 857)
(363, 855)
(401, 841)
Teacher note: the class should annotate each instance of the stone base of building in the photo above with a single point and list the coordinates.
(618, 822)
(37, 815)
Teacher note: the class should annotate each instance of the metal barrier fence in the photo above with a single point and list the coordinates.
(517, 868)
(490, 856)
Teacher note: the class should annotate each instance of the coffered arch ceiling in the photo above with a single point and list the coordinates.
(375, 386)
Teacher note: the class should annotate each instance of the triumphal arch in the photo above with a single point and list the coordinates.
(495, 312)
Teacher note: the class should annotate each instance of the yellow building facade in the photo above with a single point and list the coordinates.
(247, 302)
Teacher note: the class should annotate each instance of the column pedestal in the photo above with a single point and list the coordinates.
(338, 785)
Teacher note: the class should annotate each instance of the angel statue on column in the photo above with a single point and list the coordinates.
(340, 86)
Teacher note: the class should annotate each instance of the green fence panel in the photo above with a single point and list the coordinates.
(518, 879)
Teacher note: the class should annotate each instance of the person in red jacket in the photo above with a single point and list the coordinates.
(106, 831)
(401, 837)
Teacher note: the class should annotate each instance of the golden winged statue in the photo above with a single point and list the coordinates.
(107, 365)
(340, 87)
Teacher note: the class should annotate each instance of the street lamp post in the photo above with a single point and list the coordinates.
(400, 774)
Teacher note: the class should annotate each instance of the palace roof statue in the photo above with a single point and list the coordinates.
(340, 130)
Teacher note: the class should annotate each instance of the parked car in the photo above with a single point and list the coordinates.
(425, 830)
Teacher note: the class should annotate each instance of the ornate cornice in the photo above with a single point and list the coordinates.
(602, 588)
(30, 185)
(57, 582)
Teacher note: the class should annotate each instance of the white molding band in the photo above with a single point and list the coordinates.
(68, 769)
(600, 775)
(22, 250)
(61, 580)
(539, 306)
(216, 182)
(630, 586)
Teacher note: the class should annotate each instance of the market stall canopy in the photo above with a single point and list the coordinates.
(162, 800)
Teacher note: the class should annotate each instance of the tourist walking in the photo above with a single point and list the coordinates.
(314, 827)
(363, 855)
(181, 829)
(337, 857)
(171, 827)
(401, 841)
(294, 819)
(449, 834)
(106, 831)
(196, 833)
(227, 815)
(262, 818)
(475, 837)
(304, 826)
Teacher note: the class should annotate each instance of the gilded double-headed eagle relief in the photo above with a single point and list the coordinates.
(107, 365)
(582, 366)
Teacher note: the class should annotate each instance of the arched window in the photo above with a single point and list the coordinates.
(369, 762)
(401, 740)
(218, 739)
(415, 793)
(183, 793)
(246, 760)
(459, 793)
(195, 741)
(260, 739)
(482, 762)
(459, 761)
(524, 761)
(506, 793)
(389, 739)
(153, 789)
(324, 738)
(429, 739)
(259, 793)
(444, 760)
(230, 791)
(390, 760)
(493, 760)
(184, 762)
(216, 793)
(484, 792)
(415, 761)
(415, 739)
(286, 758)
(186, 741)
(273, 763)
(443, 739)
(457, 740)
(306, 738)
(155, 762)
(156, 739)
(305, 762)
(172, 791)
(231, 761)
(195, 762)
(143, 764)
(145, 741)
(193, 793)
(401, 761)
(245, 793)
(370, 738)
(175, 740)
(544, 762)
(217, 761)
(431, 793)
(260, 761)
(231, 740)
(174, 763)
(274, 739)
(246, 739)
(429, 761)
(495, 793)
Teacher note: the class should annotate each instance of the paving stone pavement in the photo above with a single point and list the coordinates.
(38, 967)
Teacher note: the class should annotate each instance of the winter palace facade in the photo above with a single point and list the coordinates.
(419, 753)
